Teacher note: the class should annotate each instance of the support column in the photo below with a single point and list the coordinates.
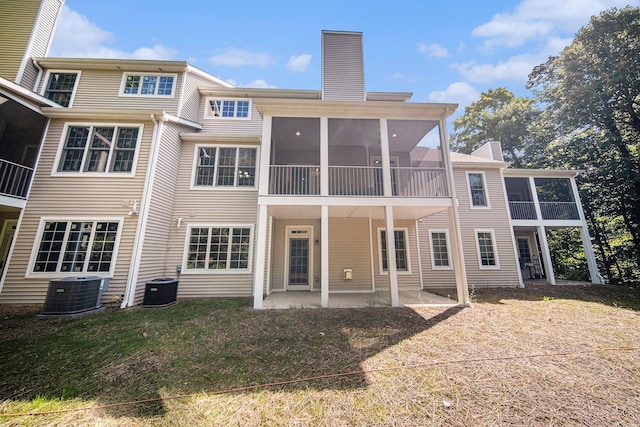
(544, 245)
(460, 270)
(261, 255)
(324, 156)
(386, 159)
(324, 257)
(594, 274)
(391, 256)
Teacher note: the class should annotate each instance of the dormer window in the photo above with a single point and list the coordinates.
(225, 108)
(148, 84)
(61, 86)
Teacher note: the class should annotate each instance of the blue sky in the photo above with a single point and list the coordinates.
(441, 51)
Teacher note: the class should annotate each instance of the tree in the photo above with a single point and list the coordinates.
(592, 95)
(497, 116)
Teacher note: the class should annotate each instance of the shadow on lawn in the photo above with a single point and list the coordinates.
(196, 347)
(610, 295)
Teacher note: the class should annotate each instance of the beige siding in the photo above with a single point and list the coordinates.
(101, 89)
(231, 127)
(495, 218)
(342, 67)
(15, 33)
(70, 197)
(42, 37)
(405, 281)
(208, 207)
(159, 216)
(435, 278)
(191, 101)
(349, 248)
(279, 241)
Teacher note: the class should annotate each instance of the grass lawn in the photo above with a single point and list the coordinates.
(563, 355)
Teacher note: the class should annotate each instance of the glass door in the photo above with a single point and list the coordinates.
(299, 258)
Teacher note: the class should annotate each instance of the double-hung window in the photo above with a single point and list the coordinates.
(440, 254)
(487, 256)
(219, 248)
(102, 149)
(61, 86)
(225, 167)
(477, 190)
(402, 250)
(148, 84)
(77, 246)
(223, 108)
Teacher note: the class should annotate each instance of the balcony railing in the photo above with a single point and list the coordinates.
(364, 181)
(355, 181)
(559, 210)
(294, 180)
(549, 210)
(523, 210)
(418, 182)
(14, 179)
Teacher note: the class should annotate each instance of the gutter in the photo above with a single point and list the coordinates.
(136, 255)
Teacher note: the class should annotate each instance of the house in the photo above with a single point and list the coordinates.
(135, 170)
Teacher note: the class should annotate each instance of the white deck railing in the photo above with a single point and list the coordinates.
(363, 181)
(294, 180)
(418, 182)
(523, 210)
(549, 210)
(14, 179)
(559, 210)
(355, 181)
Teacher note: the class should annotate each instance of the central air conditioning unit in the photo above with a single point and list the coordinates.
(74, 296)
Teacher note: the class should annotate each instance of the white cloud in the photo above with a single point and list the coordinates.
(516, 68)
(433, 50)
(460, 93)
(259, 84)
(536, 19)
(77, 37)
(299, 63)
(233, 57)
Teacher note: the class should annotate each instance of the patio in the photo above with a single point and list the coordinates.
(380, 298)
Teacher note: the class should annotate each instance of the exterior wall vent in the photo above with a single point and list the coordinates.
(342, 66)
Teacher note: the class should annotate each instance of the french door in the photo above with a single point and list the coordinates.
(299, 258)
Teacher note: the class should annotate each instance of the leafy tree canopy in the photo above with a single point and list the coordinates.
(497, 116)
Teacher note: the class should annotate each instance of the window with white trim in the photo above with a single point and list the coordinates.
(227, 108)
(402, 250)
(98, 148)
(440, 253)
(138, 84)
(487, 256)
(61, 86)
(219, 248)
(220, 166)
(477, 189)
(82, 246)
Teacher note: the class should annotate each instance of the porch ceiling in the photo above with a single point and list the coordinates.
(373, 212)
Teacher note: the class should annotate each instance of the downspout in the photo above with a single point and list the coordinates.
(38, 77)
(136, 255)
